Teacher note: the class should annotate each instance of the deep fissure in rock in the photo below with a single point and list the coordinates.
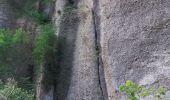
(96, 22)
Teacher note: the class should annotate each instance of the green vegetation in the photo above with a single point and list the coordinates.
(36, 16)
(134, 91)
(12, 38)
(44, 53)
(43, 43)
(70, 7)
(131, 89)
(30, 9)
(9, 43)
(47, 1)
(13, 47)
(11, 91)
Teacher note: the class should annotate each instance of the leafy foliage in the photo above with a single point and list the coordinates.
(134, 91)
(25, 83)
(44, 53)
(9, 38)
(42, 43)
(31, 11)
(36, 16)
(11, 91)
(70, 7)
(159, 93)
(14, 39)
(6, 72)
(131, 89)
(11, 42)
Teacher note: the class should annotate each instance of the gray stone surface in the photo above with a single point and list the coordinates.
(85, 78)
(79, 78)
(134, 44)
(5, 14)
(135, 41)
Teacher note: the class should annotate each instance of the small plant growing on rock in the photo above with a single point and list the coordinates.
(131, 89)
(135, 92)
(159, 93)
(70, 7)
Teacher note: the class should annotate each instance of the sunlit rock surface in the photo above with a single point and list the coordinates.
(135, 41)
(79, 77)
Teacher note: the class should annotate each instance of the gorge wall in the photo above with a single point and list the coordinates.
(79, 75)
(103, 43)
(135, 43)
(131, 39)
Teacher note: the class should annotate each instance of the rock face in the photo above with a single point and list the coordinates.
(103, 43)
(135, 43)
(85, 76)
(79, 76)
(5, 14)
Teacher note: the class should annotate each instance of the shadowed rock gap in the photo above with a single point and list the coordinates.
(96, 19)
(66, 45)
(97, 50)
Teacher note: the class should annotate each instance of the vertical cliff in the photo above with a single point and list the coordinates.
(113, 41)
(79, 74)
(103, 43)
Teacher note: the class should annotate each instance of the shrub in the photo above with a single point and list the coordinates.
(11, 38)
(11, 91)
(70, 7)
(36, 16)
(11, 42)
(131, 89)
(44, 49)
(134, 91)
(43, 43)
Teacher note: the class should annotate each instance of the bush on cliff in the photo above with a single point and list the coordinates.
(134, 91)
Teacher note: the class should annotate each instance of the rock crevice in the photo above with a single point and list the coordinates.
(96, 22)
